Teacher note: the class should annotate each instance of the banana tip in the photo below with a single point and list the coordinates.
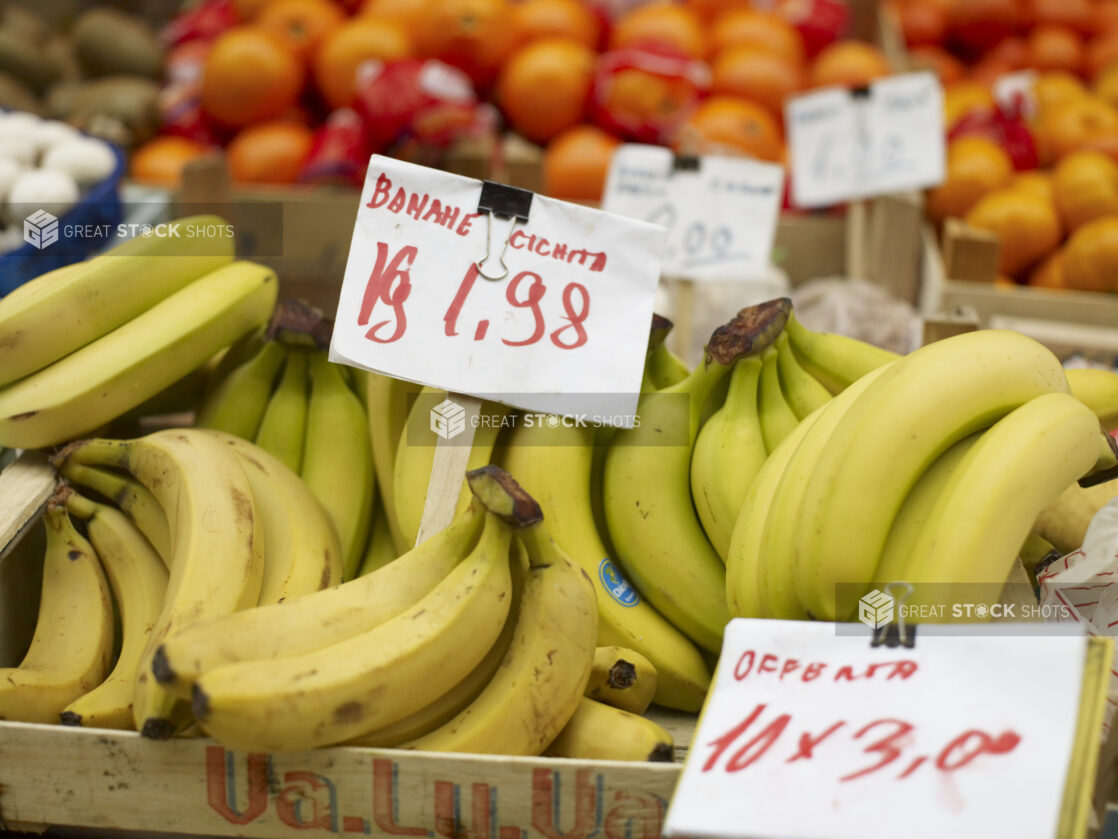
(622, 674)
(501, 495)
(157, 728)
(161, 667)
(662, 753)
(200, 701)
(70, 718)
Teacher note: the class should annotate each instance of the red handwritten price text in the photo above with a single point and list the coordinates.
(883, 741)
(754, 664)
(390, 283)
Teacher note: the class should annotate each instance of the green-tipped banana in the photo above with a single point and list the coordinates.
(835, 360)
(729, 452)
(139, 582)
(665, 368)
(116, 372)
(778, 420)
(283, 428)
(1098, 390)
(237, 404)
(802, 390)
(338, 459)
(60, 312)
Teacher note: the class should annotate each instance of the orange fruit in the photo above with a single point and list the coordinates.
(576, 162)
(756, 74)
(948, 68)
(472, 35)
(961, 98)
(1055, 48)
(249, 9)
(637, 98)
(1074, 14)
(922, 24)
(302, 24)
(1036, 183)
(161, 161)
(250, 75)
(1027, 227)
(1050, 272)
(978, 25)
(1106, 85)
(269, 153)
(1050, 89)
(1013, 51)
(975, 166)
(848, 64)
(359, 40)
(1091, 256)
(408, 13)
(1102, 52)
(1071, 125)
(1104, 17)
(764, 30)
(708, 10)
(660, 24)
(535, 19)
(544, 85)
(730, 123)
(1085, 186)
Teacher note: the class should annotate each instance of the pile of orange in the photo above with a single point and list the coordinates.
(1057, 226)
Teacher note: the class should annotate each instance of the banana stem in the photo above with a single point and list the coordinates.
(1106, 467)
(80, 506)
(96, 451)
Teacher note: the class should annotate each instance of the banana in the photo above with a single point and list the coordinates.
(216, 535)
(412, 466)
(302, 553)
(987, 506)
(72, 645)
(729, 451)
(665, 368)
(60, 312)
(444, 708)
(372, 679)
(542, 677)
(386, 402)
(1036, 553)
(776, 582)
(554, 465)
(646, 488)
(922, 405)
(338, 459)
(139, 583)
(803, 391)
(132, 497)
(381, 549)
(1098, 390)
(622, 678)
(744, 560)
(600, 732)
(284, 424)
(835, 360)
(776, 416)
(238, 402)
(118, 371)
(904, 534)
(320, 619)
(1064, 522)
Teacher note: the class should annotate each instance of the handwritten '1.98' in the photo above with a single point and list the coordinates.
(882, 741)
(389, 283)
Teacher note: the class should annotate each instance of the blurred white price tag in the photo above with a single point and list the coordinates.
(1016, 92)
(570, 316)
(847, 145)
(720, 212)
(809, 734)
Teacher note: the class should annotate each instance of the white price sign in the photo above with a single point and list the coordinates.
(720, 212)
(808, 734)
(847, 145)
(569, 315)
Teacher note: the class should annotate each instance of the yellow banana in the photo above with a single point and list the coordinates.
(386, 402)
(729, 451)
(284, 425)
(215, 532)
(60, 312)
(600, 732)
(1098, 390)
(72, 646)
(381, 549)
(776, 416)
(338, 459)
(622, 678)
(139, 583)
(118, 371)
(835, 360)
(1064, 522)
(238, 402)
(802, 390)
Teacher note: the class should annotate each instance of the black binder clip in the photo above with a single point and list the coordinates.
(895, 632)
(685, 163)
(504, 202)
(860, 92)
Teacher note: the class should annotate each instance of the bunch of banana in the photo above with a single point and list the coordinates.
(931, 468)
(283, 393)
(81, 347)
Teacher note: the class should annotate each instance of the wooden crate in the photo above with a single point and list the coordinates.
(59, 776)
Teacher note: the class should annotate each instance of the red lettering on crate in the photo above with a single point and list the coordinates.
(545, 804)
(385, 801)
(221, 790)
(634, 816)
(308, 800)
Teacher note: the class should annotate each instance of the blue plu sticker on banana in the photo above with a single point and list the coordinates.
(615, 583)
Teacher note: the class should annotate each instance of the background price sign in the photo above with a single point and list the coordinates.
(720, 212)
(571, 314)
(809, 735)
(847, 145)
